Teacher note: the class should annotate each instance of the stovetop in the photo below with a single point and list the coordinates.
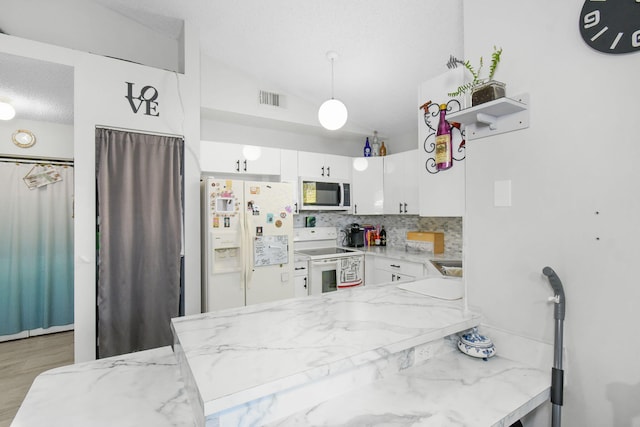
(326, 251)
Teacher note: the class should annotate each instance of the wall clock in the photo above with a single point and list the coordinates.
(611, 26)
(23, 138)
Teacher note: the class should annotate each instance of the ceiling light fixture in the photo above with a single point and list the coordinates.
(332, 113)
(7, 112)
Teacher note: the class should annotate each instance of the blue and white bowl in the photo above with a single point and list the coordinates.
(476, 345)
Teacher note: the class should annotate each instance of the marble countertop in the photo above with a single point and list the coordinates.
(239, 355)
(367, 356)
(451, 389)
(136, 389)
(412, 255)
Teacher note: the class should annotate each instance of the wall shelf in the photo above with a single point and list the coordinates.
(494, 117)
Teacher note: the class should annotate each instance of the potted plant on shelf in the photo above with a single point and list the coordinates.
(482, 89)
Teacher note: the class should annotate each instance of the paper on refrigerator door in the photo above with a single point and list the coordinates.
(271, 250)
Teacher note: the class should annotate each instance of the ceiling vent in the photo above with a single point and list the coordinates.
(269, 98)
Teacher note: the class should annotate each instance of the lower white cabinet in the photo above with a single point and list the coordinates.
(301, 279)
(394, 270)
(370, 269)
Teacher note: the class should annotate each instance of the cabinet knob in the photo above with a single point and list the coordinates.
(328, 170)
(238, 166)
(405, 208)
(245, 165)
(323, 171)
(400, 208)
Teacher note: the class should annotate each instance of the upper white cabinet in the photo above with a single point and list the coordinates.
(441, 193)
(222, 157)
(289, 173)
(368, 188)
(327, 166)
(401, 183)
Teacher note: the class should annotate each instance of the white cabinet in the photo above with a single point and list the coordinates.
(319, 165)
(223, 157)
(394, 270)
(401, 183)
(441, 193)
(301, 276)
(370, 269)
(368, 188)
(289, 173)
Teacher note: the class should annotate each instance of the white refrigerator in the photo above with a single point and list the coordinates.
(247, 244)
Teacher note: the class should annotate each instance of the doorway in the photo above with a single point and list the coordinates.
(36, 248)
(42, 94)
(140, 202)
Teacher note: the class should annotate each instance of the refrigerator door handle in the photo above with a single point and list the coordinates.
(248, 245)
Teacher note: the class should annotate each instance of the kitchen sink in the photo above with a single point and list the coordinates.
(448, 267)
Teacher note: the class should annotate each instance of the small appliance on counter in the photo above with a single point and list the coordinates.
(355, 236)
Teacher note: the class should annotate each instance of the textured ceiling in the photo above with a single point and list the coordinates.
(38, 90)
(387, 48)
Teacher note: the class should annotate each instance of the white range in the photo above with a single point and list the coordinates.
(330, 267)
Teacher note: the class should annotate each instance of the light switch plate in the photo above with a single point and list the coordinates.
(502, 193)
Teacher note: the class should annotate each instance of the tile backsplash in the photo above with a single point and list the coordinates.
(396, 226)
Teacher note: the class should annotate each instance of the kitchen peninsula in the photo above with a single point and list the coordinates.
(378, 352)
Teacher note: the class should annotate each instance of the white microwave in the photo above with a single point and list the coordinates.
(324, 195)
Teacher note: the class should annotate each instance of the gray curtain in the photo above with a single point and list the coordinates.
(139, 196)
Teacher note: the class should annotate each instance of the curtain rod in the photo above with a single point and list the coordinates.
(140, 131)
(35, 160)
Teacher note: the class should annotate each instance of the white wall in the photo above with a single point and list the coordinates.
(100, 89)
(576, 201)
(53, 140)
(89, 27)
(230, 107)
(217, 130)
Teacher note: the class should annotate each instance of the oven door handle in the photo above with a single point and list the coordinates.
(325, 262)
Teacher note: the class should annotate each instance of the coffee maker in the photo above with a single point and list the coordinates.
(355, 236)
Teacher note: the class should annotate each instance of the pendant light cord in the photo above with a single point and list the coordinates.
(332, 78)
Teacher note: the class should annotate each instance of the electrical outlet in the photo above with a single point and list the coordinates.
(424, 352)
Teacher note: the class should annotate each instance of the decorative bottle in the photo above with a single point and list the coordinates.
(383, 237)
(383, 149)
(443, 141)
(367, 149)
(375, 149)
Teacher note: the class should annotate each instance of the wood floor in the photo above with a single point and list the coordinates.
(21, 361)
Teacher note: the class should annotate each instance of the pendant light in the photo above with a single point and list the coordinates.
(332, 113)
(7, 112)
